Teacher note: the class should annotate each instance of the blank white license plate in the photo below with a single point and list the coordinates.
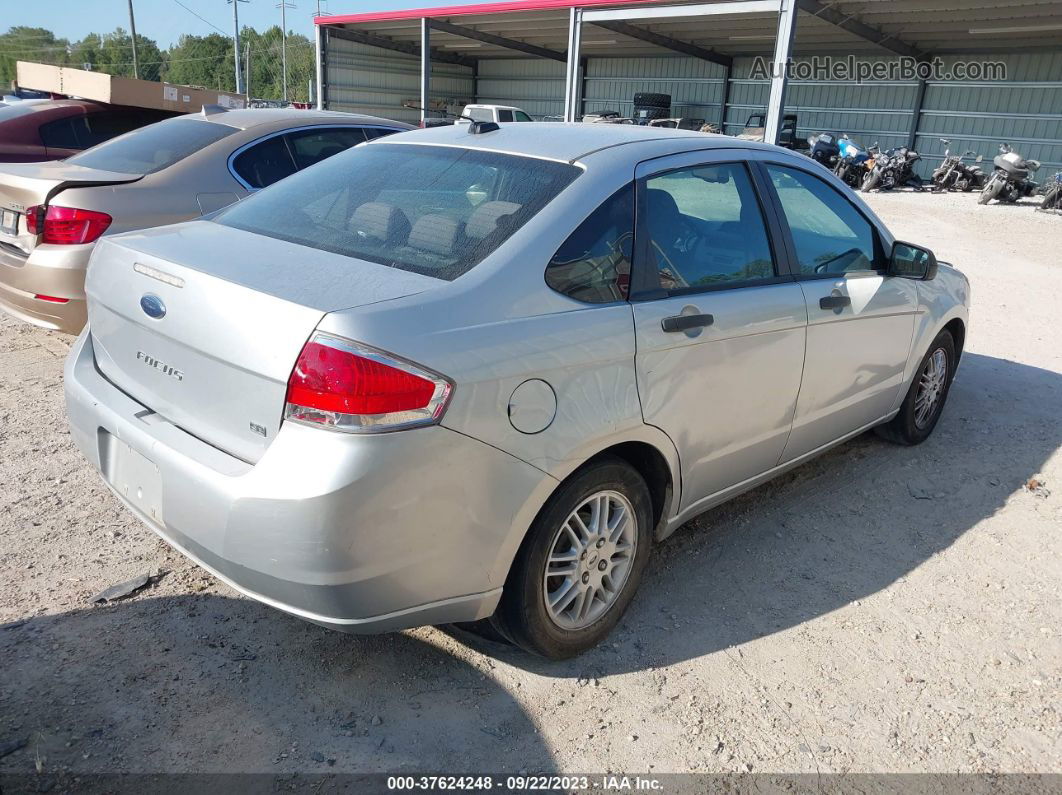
(135, 478)
(9, 222)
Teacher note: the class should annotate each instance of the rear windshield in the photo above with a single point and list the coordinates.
(432, 210)
(154, 147)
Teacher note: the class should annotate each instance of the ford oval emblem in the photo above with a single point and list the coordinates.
(153, 306)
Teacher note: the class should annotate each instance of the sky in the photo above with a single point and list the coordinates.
(165, 20)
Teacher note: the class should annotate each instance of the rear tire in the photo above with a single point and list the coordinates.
(915, 421)
(551, 565)
(1051, 199)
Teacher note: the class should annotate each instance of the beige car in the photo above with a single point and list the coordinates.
(52, 214)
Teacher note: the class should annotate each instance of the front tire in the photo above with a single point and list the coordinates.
(870, 181)
(990, 191)
(580, 564)
(925, 399)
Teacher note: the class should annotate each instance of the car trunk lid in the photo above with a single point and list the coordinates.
(225, 315)
(24, 185)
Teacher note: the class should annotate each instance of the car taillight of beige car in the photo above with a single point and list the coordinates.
(53, 213)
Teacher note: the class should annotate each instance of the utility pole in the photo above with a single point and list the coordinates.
(236, 41)
(132, 27)
(284, 5)
(247, 83)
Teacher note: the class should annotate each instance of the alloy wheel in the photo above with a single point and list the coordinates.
(930, 387)
(590, 559)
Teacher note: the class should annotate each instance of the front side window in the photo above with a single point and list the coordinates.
(521, 116)
(313, 146)
(705, 229)
(594, 263)
(831, 236)
(432, 210)
(154, 147)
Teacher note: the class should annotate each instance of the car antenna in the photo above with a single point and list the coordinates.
(475, 128)
(210, 110)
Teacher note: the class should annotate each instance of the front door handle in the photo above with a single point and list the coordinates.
(686, 322)
(834, 301)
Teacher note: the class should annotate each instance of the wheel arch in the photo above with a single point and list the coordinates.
(648, 450)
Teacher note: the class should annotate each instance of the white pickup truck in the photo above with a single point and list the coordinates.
(498, 113)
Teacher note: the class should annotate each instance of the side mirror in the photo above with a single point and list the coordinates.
(909, 261)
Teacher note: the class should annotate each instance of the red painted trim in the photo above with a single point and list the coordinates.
(482, 8)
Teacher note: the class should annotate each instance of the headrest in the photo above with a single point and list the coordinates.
(484, 219)
(436, 234)
(380, 221)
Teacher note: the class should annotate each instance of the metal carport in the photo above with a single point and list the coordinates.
(567, 57)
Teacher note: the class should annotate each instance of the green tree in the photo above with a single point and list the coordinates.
(204, 61)
(113, 53)
(22, 43)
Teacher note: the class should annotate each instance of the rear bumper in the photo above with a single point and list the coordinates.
(361, 533)
(57, 271)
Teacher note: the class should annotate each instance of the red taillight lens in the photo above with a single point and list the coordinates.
(52, 299)
(346, 386)
(67, 225)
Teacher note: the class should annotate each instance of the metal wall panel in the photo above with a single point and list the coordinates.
(534, 84)
(364, 79)
(1025, 110)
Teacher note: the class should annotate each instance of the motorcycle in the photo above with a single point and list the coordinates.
(1010, 179)
(953, 174)
(892, 169)
(852, 161)
(1053, 193)
(824, 149)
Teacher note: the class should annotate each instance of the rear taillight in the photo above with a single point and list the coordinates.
(52, 299)
(66, 225)
(346, 386)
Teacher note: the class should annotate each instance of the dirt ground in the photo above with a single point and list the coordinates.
(879, 609)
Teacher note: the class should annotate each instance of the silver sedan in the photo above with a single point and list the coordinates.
(460, 374)
(52, 214)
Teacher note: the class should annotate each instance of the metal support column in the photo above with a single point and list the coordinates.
(425, 68)
(725, 98)
(783, 48)
(572, 81)
(322, 52)
(916, 114)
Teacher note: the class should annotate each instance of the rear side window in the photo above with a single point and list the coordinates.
(594, 263)
(432, 210)
(505, 115)
(154, 147)
(264, 163)
(379, 132)
(64, 133)
(313, 146)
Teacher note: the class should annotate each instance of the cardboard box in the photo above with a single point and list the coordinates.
(103, 87)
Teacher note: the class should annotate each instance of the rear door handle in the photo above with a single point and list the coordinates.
(686, 322)
(834, 301)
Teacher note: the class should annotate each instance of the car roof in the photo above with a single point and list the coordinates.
(568, 142)
(246, 118)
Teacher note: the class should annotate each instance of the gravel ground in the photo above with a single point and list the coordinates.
(879, 609)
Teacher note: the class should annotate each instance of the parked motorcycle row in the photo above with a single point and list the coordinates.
(871, 168)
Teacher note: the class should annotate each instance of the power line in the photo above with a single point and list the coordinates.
(201, 19)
